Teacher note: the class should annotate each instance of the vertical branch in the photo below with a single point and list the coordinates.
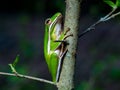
(71, 21)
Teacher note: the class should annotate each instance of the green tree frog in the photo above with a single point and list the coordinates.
(54, 44)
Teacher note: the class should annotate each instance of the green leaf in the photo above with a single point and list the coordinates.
(118, 3)
(110, 3)
(15, 61)
(12, 68)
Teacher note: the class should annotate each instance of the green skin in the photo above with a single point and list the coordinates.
(54, 50)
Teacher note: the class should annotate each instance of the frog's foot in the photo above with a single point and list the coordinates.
(62, 41)
(66, 31)
(68, 36)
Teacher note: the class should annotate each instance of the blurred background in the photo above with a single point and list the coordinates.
(22, 32)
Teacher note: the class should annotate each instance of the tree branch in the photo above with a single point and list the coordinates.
(72, 14)
(109, 16)
(28, 77)
(112, 16)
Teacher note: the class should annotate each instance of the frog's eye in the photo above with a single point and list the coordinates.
(48, 21)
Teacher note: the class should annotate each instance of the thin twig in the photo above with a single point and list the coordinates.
(103, 19)
(92, 27)
(28, 77)
(114, 15)
(110, 13)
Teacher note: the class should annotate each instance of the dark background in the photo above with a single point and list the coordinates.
(22, 32)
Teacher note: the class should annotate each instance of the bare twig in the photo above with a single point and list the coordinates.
(28, 77)
(109, 16)
(114, 15)
(110, 13)
(16, 74)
